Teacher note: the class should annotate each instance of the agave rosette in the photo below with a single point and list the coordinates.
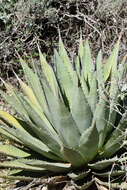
(69, 115)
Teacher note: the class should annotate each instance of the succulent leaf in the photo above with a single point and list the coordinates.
(19, 165)
(113, 173)
(34, 83)
(87, 147)
(78, 104)
(63, 121)
(15, 101)
(87, 63)
(10, 119)
(49, 74)
(9, 136)
(100, 73)
(93, 94)
(42, 127)
(29, 93)
(21, 178)
(50, 166)
(100, 119)
(115, 141)
(66, 62)
(112, 61)
(31, 142)
(79, 176)
(13, 151)
(73, 156)
(103, 163)
(80, 110)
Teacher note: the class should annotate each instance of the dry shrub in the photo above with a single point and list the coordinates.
(32, 22)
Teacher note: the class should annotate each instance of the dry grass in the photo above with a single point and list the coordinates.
(100, 22)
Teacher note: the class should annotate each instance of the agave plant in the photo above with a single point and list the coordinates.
(70, 116)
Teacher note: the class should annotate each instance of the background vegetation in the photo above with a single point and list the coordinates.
(24, 23)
